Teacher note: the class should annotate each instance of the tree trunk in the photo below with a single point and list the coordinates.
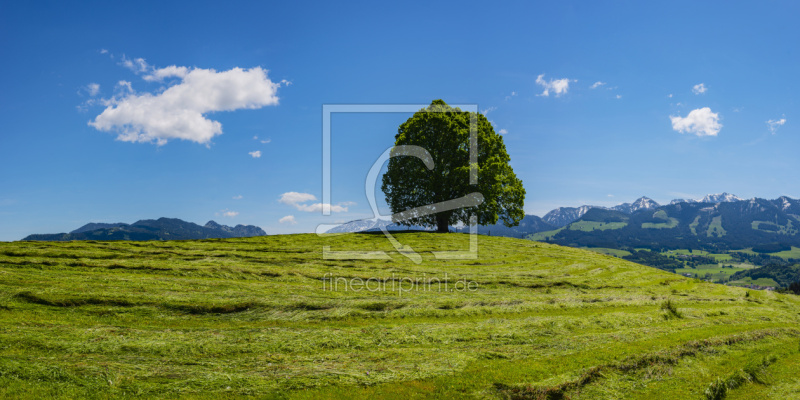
(441, 224)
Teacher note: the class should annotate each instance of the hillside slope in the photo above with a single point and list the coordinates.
(251, 316)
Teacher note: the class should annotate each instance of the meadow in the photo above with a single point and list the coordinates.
(259, 317)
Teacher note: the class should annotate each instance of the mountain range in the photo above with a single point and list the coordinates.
(722, 220)
(152, 229)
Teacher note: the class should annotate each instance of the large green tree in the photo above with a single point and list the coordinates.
(444, 132)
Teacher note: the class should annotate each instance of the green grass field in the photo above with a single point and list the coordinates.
(717, 272)
(693, 225)
(787, 229)
(588, 226)
(257, 318)
(715, 227)
(540, 236)
(793, 253)
(750, 281)
(719, 257)
(669, 222)
(608, 251)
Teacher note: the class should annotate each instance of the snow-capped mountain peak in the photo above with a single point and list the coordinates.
(563, 216)
(642, 203)
(723, 197)
(720, 198)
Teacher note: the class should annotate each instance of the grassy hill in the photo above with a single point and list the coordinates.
(235, 317)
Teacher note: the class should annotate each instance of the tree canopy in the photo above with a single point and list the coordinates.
(444, 132)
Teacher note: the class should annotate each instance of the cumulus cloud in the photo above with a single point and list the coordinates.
(774, 124)
(557, 86)
(292, 198)
(296, 200)
(289, 219)
(502, 131)
(699, 88)
(488, 110)
(179, 111)
(619, 96)
(597, 85)
(237, 197)
(700, 122)
(255, 154)
(228, 213)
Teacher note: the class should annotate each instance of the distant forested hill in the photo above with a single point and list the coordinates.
(152, 229)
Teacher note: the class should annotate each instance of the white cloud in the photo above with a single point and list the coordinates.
(137, 65)
(597, 85)
(296, 199)
(122, 86)
(700, 122)
(166, 72)
(619, 96)
(289, 219)
(316, 207)
(774, 124)
(178, 112)
(93, 89)
(669, 95)
(265, 141)
(292, 198)
(699, 88)
(229, 214)
(513, 94)
(255, 154)
(488, 110)
(502, 131)
(237, 197)
(103, 51)
(558, 86)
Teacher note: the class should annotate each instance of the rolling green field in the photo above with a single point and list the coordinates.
(260, 317)
(716, 256)
(544, 235)
(716, 271)
(588, 226)
(715, 227)
(608, 251)
(787, 254)
(668, 223)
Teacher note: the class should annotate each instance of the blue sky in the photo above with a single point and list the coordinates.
(126, 111)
